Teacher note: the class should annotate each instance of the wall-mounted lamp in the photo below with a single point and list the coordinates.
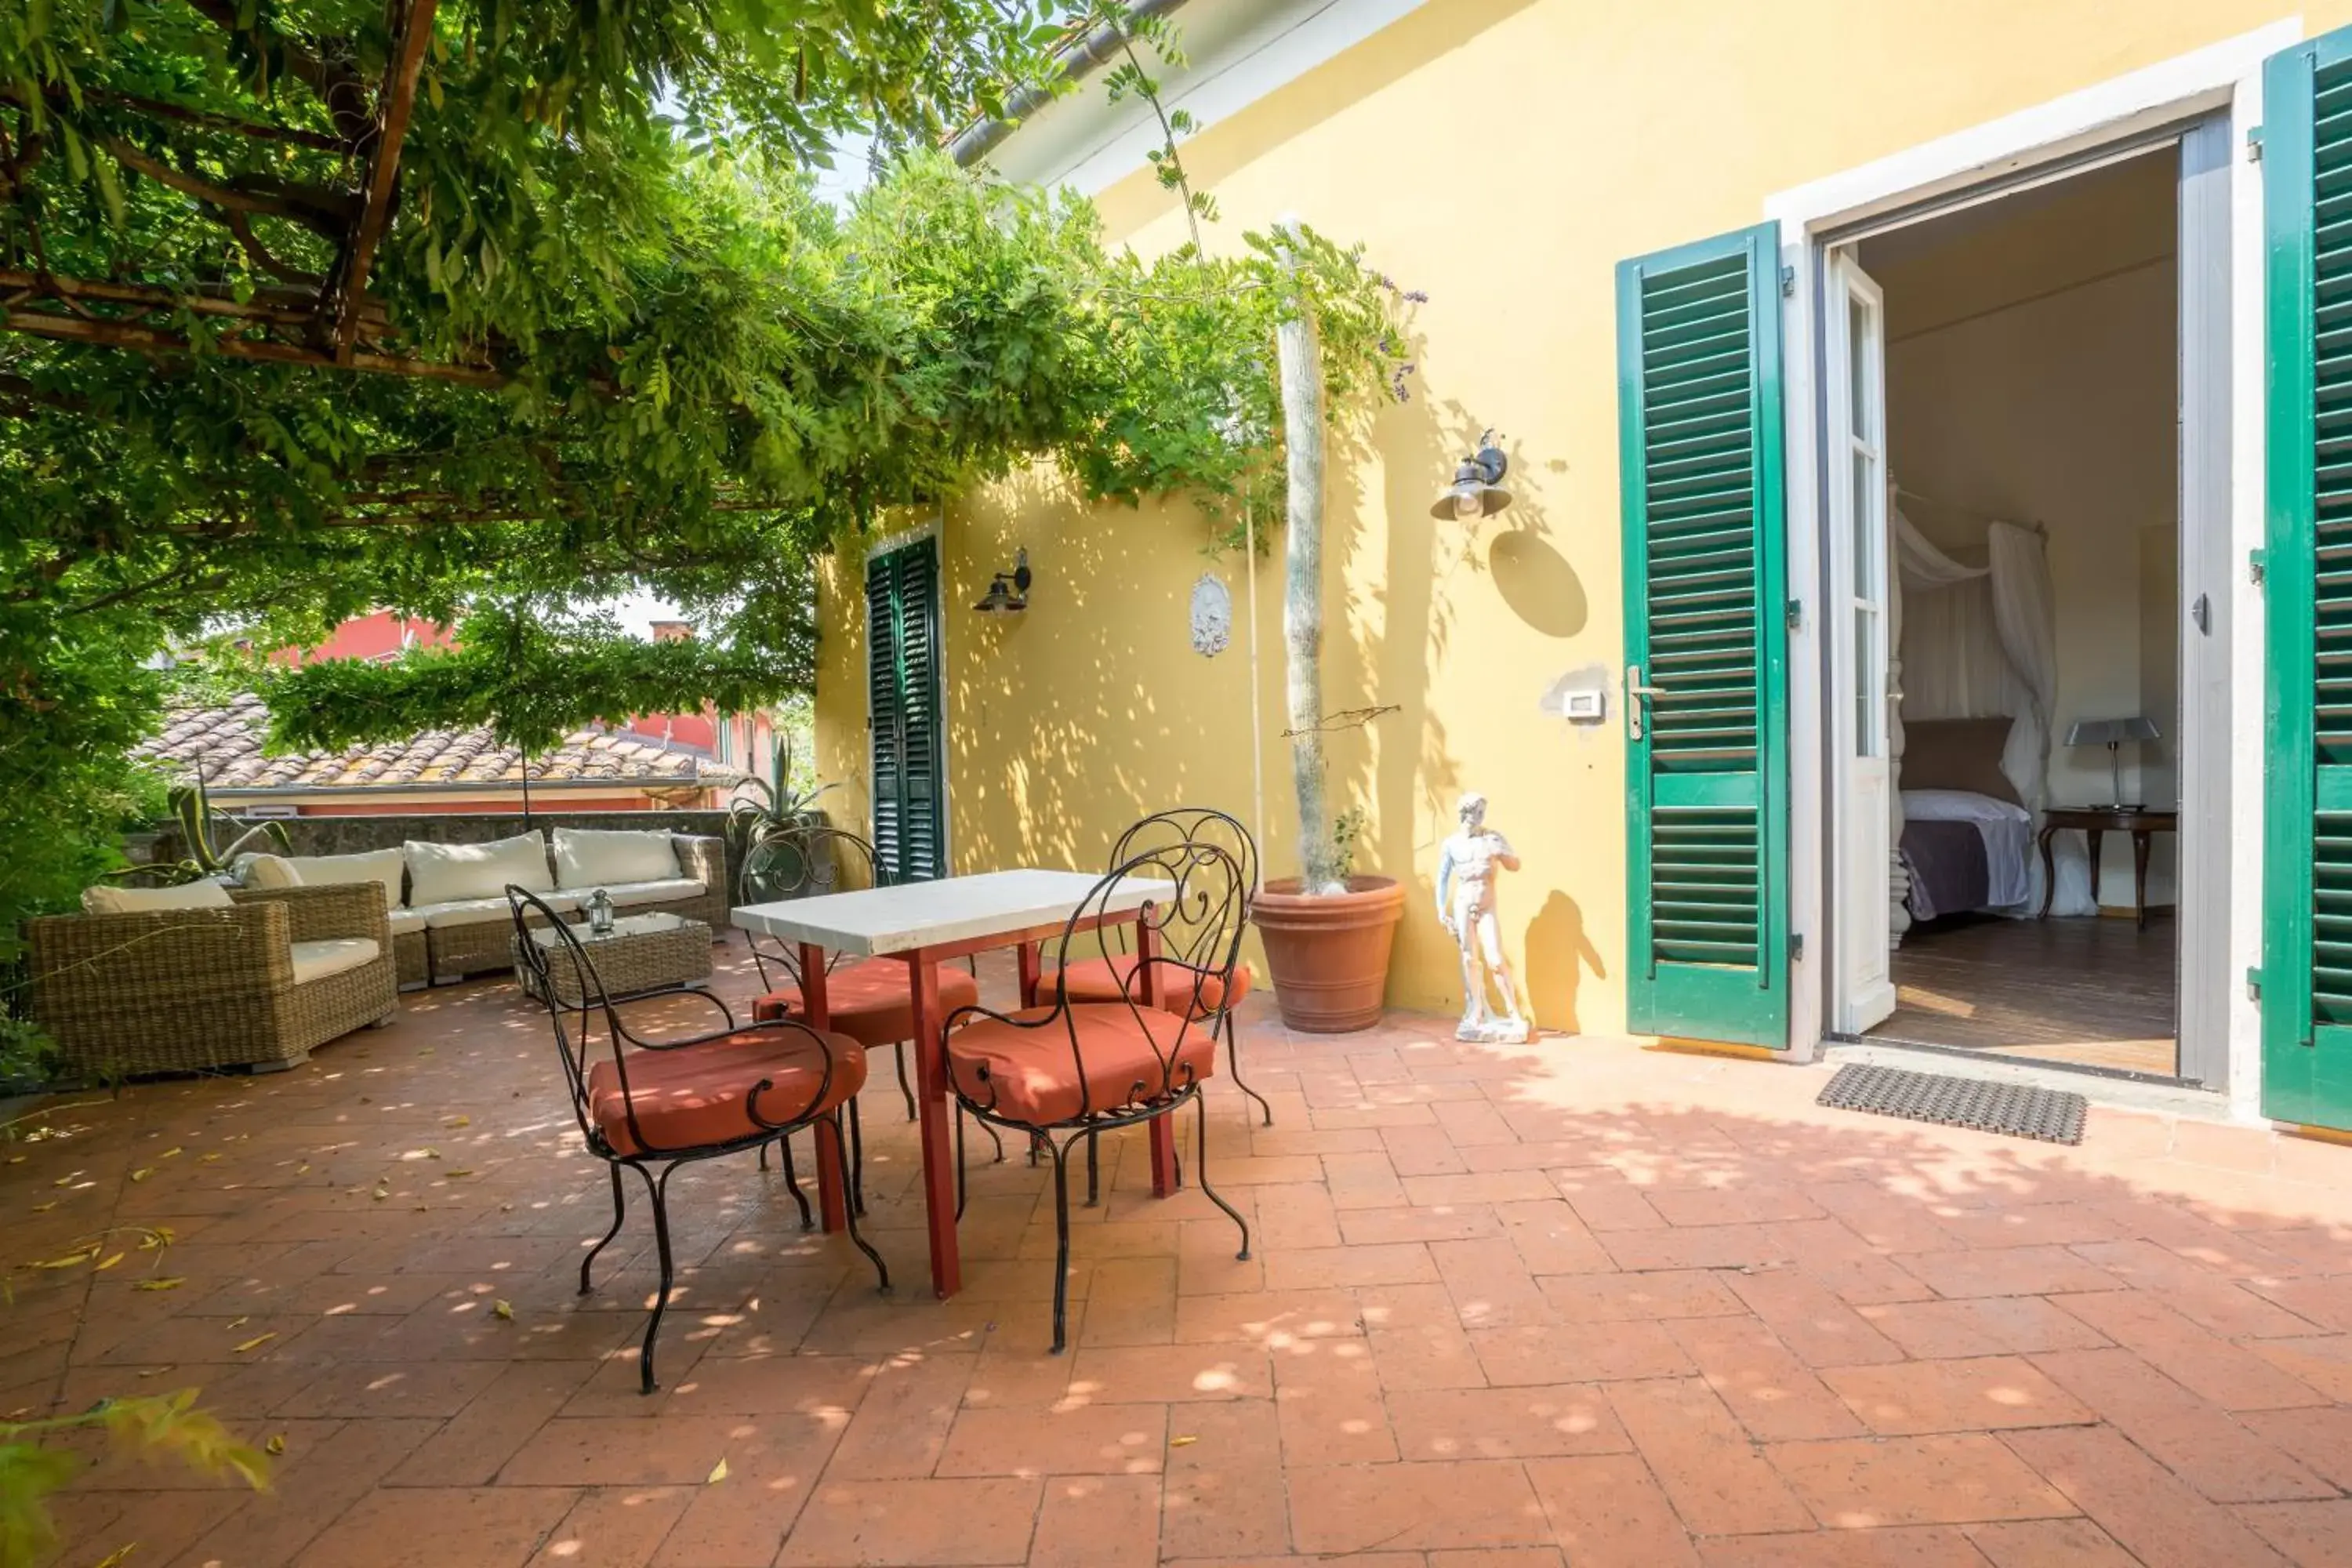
(1478, 488)
(1008, 592)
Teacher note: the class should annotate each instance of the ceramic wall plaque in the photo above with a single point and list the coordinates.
(1213, 616)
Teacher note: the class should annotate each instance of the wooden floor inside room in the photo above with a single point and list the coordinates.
(2092, 992)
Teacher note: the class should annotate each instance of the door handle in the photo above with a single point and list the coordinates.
(2202, 614)
(1635, 695)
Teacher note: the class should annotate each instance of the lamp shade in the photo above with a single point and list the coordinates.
(2111, 731)
(1469, 495)
(1478, 488)
(1008, 592)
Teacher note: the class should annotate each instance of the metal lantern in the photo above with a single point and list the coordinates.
(1478, 488)
(600, 912)
(1008, 592)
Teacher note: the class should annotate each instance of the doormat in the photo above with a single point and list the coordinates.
(2013, 1109)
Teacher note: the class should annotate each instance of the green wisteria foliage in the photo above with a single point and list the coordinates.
(619, 346)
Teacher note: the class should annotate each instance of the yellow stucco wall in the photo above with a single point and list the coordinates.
(1504, 155)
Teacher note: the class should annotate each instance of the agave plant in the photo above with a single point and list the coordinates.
(761, 829)
(200, 826)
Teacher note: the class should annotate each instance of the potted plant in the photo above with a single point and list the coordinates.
(1328, 932)
(763, 833)
(203, 853)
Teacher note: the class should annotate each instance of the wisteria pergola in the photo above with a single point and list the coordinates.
(304, 318)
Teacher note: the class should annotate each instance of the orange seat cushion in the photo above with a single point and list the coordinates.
(1108, 979)
(694, 1097)
(872, 1000)
(1032, 1076)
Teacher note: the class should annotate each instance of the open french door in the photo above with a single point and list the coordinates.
(1706, 711)
(1857, 619)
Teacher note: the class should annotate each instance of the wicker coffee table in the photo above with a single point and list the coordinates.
(640, 954)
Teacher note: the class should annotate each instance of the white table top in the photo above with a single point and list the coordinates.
(876, 920)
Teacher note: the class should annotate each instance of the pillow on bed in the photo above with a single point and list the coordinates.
(1958, 753)
(1959, 806)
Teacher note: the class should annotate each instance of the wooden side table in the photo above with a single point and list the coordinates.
(2095, 821)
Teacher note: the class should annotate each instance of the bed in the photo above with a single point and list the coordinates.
(1967, 840)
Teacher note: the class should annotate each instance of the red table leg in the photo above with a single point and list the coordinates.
(937, 1135)
(1027, 953)
(832, 1186)
(1164, 1133)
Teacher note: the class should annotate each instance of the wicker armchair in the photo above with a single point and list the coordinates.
(704, 858)
(199, 990)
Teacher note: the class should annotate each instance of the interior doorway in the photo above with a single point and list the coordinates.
(2004, 421)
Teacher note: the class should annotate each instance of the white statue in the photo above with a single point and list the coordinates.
(1466, 868)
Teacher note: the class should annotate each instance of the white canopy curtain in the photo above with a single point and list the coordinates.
(1983, 641)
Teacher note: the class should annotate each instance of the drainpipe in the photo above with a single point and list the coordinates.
(1078, 61)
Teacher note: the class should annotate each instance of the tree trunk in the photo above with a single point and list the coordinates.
(1301, 362)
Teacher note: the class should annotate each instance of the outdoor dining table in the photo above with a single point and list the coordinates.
(922, 924)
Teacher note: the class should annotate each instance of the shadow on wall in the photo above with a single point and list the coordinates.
(1090, 709)
(1558, 954)
(1536, 580)
(1396, 650)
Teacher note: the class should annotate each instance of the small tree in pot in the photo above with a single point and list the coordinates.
(1327, 932)
(1338, 341)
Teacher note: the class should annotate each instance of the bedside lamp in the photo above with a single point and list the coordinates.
(2112, 734)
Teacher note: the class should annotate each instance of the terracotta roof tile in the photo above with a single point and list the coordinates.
(226, 740)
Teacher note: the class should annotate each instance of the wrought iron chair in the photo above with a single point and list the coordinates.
(869, 999)
(1070, 1070)
(1112, 976)
(669, 1103)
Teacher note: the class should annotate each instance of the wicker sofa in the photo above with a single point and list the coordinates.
(451, 917)
(196, 990)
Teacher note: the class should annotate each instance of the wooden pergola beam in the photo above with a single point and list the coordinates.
(394, 106)
(316, 141)
(158, 343)
(279, 306)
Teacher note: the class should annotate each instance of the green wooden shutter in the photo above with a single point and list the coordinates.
(925, 845)
(2306, 992)
(1707, 778)
(882, 709)
(902, 626)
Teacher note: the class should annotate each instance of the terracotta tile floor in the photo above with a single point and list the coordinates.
(1571, 1302)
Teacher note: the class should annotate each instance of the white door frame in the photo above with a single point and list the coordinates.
(1862, 984)
(2225, 77)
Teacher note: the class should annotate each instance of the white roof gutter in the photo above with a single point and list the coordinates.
(1080, 60)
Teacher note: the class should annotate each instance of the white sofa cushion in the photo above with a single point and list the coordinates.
(104, 900)
(405, 921)
(330, 955)
(481, 912)
(266, 871)
(451, 873)
(382, 866)
(605, 857)
(666, 890)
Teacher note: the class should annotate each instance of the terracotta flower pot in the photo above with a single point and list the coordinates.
(1330, 955)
